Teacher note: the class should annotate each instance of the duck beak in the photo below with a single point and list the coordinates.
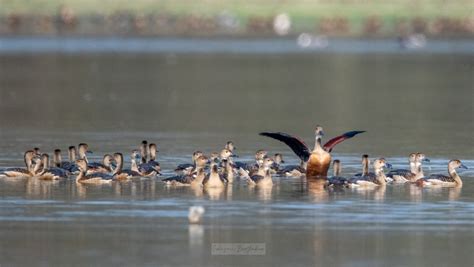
(234, 155)
(463, 166)
(282, 161)
(89, 152)
(388, 165)
(426, 160)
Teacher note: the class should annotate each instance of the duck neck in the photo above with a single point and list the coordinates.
(119, 166)
(419, 170)
(413, 167)
(57, 160)
(72, 155)
(337, 169)
(365, 167)
(152, 155)
(452, 172)
(380, 176)
(317, 144)
(134, 166)
(28, 163)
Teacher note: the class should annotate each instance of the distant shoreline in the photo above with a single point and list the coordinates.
(259, 18)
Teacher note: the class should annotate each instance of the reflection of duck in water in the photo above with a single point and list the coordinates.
(451, 180)
(319, 159)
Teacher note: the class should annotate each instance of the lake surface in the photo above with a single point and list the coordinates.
(185, 100)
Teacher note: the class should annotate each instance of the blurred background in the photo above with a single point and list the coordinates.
(402, 70)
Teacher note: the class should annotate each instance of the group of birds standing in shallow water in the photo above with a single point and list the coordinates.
(219, 169)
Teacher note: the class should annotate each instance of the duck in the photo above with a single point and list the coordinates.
(32, 163)
(214, 179)
(319, 159)
(365, 167)
(93, 178)
(277, 161)
(416, 169)
(201, 163)
(152, 167)
(53, 173)
(83, 150)
(194, 179)
(120, 173)
(263, 177)
(230, 146)
(451, 180)
(372, 179)
(228, 170)
(186, 168)
(144, 151)
(245, 168)
(337, 179)
(105, 166)
(404, 175)
(70, 165)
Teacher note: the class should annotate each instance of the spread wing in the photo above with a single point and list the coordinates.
(296, 144)
(338, 139)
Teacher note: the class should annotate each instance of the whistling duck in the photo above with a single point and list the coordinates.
(194, 179)
(230, 146)
(453, 180)
(214, 179)
(263, 176)
(32, 164)
(376, 178)
(53, 173)
(83, 151)
(152, 167)
(319, 159)
(201, 163)
(144, 151)
(245, 168)
(105, 166)
(120, 173)
(186, 168)
(93, 178)
(337, 179)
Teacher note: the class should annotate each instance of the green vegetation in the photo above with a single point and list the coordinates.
(298, 9)
(339, 17)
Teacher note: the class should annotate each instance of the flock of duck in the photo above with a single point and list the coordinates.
(219, 169)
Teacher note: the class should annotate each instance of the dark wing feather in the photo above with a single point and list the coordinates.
(296, 144)
(256, 178)
(338, 139)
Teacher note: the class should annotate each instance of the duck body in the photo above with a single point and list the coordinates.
(29, 157)
(93, 178)
(214, 179)
(318, 163)
(372, 179)
(319, 160)
(451, 180)
(53, 173)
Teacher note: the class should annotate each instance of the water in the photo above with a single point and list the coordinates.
(187, 101)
